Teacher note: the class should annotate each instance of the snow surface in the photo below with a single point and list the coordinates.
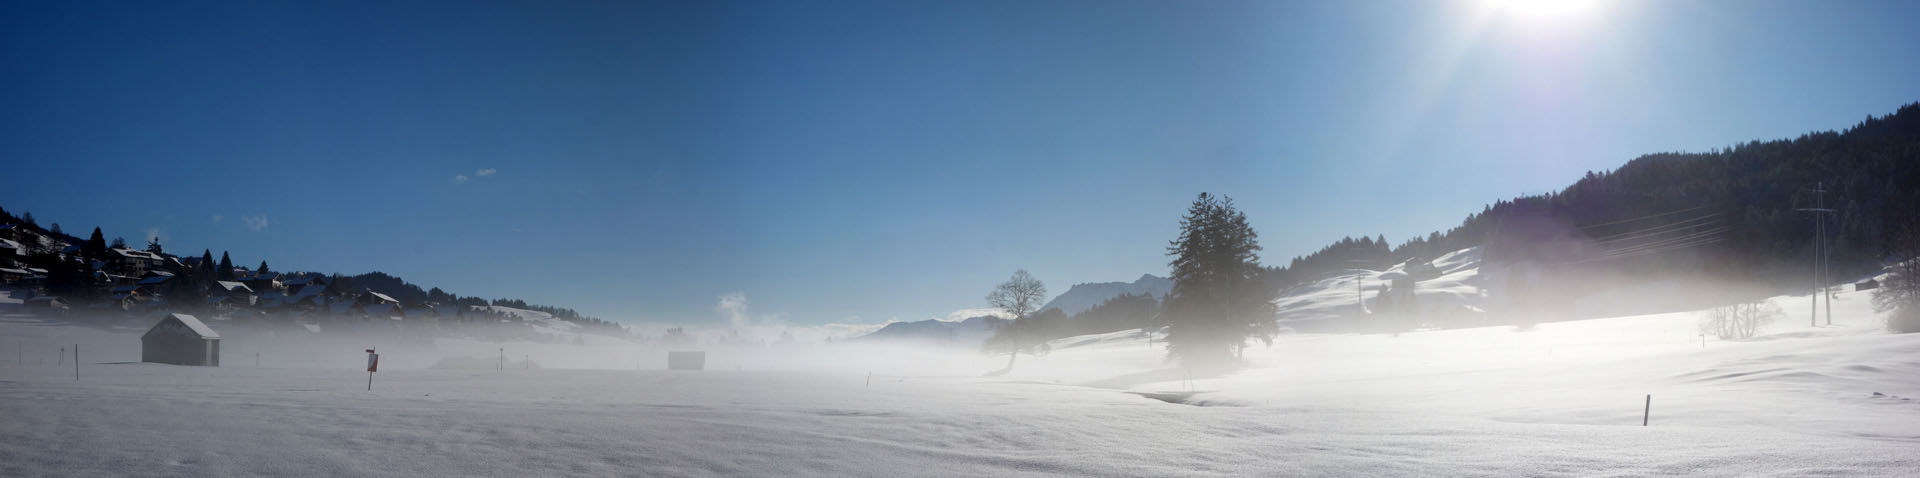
(1564, 399)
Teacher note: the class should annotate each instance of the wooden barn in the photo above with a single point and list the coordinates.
(181, 339)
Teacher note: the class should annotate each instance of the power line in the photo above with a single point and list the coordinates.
(1657, 230)
(1641, 218)
(1665, 242)
(1668, 248)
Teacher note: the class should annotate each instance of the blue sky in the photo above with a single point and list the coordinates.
(868, 161)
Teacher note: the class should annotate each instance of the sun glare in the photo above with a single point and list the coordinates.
(1548, 11)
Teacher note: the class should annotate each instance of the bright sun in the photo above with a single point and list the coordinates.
(1548, 11)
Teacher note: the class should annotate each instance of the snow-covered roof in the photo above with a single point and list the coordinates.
(137, 254)
(13, 271)
(192, 323)
(9, 244)
(382, 296)
(234, 286)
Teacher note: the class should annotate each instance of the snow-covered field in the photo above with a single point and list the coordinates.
(1564, 399)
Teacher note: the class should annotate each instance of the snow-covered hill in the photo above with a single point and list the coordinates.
(1450, 286)
(1081, 297)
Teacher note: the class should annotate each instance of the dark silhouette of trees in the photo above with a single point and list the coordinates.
(263, 267)
(1219, 299)
(96, 246)
(225, 270)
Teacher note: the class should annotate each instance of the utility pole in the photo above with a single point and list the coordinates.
(1359, 292)
(1819, 257)
(1826, 259)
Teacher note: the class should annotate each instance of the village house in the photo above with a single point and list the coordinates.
(12, 253)
(181, 339)
(264, 282)
(13, 276)
(232, 293)
(48, 303)
(300, 285)
(153, 280)
(135, 262)
(1869, 284)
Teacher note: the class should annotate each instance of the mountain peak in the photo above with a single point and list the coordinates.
(1081, 297)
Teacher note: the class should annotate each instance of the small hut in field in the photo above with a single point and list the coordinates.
(181, 339)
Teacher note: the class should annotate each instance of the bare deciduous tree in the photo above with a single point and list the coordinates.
(1900, 293)
(1018, 296)
(1739, 320)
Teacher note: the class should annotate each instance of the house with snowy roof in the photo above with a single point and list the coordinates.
(135, 262)
(233, 293)
(12, 252)
(13, 276)
(264, 282)
(181, 339)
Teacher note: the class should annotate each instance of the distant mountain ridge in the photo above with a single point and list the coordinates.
(968, 332)
(1081, 297)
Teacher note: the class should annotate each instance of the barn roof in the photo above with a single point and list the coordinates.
(192, 323)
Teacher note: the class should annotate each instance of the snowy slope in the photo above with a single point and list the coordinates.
(1450, 286)
(1564, 399)
(1081, 297)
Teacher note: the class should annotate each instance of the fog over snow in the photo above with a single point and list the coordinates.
(1564, 399)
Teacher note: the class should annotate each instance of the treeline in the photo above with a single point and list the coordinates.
(70, 275)
(1122, 312)
(1745, 202)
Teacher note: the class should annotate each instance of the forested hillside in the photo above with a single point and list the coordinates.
(1732, 214)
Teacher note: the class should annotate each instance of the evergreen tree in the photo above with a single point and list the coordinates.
(186, 292)
(225, 272)
(96, 246)
(153, 245)
(27, 217)
(1218, 300)
(206, 268)
(119, 243)
(263, 267)
(56, 230)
